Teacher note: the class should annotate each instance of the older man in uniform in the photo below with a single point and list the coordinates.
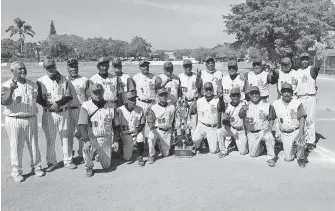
(117, 67)
(171, 82)
(287, 75)
(212, 75)
(18, 95)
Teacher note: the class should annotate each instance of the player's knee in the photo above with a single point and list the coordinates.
(127, 156)
(140, 138)
(151, 136)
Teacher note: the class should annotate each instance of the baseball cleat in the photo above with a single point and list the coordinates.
(39, 172)
(51, 167)
(140, 161)
(89, 172)
(271, 163)
(301, 163)
(81, 160)
(151, 160)
(223, 154)
(18, 178)
(70, 166)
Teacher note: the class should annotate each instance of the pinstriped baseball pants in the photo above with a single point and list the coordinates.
(73, 124)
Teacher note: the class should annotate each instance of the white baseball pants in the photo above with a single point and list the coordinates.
(255, 139)
(73, 127)
(309, 104)
(212, 134)
(162, 138)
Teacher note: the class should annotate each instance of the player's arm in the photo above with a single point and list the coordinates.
(40, 100)
(193, 108)
(83, 124)
(315, 69)
(88, 89)
(246, 87)
(158, 83)
(6, 95)
(119, 91)
(301, 115)
(180, 92)
(272, 76)
(199, 84)
(272, 117)
(151, 118)
(225, 120)
(220, 107)
(67, 96)
(141, 124)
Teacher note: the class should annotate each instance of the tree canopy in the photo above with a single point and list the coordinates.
(52, 29)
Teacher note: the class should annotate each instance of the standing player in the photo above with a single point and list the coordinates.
(53, 95)
(112, 85)
(257, 115)
(306, 92)
(80, 92)
(261, 79)
(98, 129)
(132, 120)
(117, 67)
(18, 95)
(171, 82)
(212, 75)
(291, 116)
(160, 118)
(287, 75)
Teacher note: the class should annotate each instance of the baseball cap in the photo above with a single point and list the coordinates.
(102, 60)
(235, 91)
(186, 62)
(232, 63)
(142, 62)
(130, 95)
(286, 61)
(286, 86)
(96, 87)
(257, 61)
(161, 91)
(209, 58)
(48, 63)
(168, 65)
(72, 61)
(304, 55)
(253, 89)
(116, 61)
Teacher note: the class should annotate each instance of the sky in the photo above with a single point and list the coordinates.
(172, 24)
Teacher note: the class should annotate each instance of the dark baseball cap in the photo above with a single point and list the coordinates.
(71, 61)
(286, 86)
(168, 65)
(161, 91)
(253, 89)
(130, 95)
(142, 62)
(96, 87)
(232, 63)
(116, 61)
(304, 55)
(102, 60)
(49, 63)
(186, 62)
(209, 58)
(286, 61)
(235, 91)
(257, 61)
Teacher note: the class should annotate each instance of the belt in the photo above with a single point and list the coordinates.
(289, 131)
(163, 129)
(21, 117)
(255, 131)
(237, 128)
(209, 125)
(58, 111)
(306, 95)
(73, 107)
(145, 101)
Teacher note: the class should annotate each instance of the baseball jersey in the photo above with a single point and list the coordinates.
(172, 87)
(228, 84)
(52, 90)
(124, 78)
(257, 117)
(110, 84)
(288, 114)
(291, 77)
(162, 117)
(102, 120)
(129, 120)
(188, 86)
(260, 80)
(215, 78)
(208, 111)
(80, 90)
(232, 112)
(145, 86)
(23, 103)
(307, 84)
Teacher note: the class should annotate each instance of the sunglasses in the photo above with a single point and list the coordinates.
(163, 94)
(254, 93)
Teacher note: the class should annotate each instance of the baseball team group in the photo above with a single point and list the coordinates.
(114, 113)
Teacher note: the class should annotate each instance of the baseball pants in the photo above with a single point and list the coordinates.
(288, 140)
(145, 107)
(212, 134)
(128, 143)
(309, 104)
(22, 130)
(73, 122)
(102, 145)
(53, 123)
(255, 139)
(162, 138)
(225, 134)
(241, 141)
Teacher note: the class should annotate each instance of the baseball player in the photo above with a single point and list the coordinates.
(113, 88)
(190, 84)
(98, 129)
(212, 75)
(18, 95)
(53, 95)
(172, 83)
(237, 125)
(261, 78)
(257, 115)
(146, 86)
(117, 67)
(160, 118)
(80, 92)
(132, 120)
(306, 92)
(291, 116)
(287, 75)
(209, 110)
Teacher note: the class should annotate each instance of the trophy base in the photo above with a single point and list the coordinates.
(183, 153)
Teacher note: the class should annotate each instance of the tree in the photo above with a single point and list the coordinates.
(9, 48)
(280, 26)
(160, 54)
(182, 52)
(21, 28)
(201, 53)
(139, 47)
(52, 29)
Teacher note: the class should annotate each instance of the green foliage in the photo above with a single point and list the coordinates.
(201, 53)
(139, 47)
(182, 52)
(52, 29)
(9, 48)
(160, 54)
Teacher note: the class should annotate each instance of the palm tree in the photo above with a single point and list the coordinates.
(20, 27)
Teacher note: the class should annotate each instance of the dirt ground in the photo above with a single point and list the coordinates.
(203, 182)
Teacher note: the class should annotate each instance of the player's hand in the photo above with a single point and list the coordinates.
(115, 146)
(87, 146)
(54, 107)
(198, 72)
(13, 85)
(301, 140)
(245, 107)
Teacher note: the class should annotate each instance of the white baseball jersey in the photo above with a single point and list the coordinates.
(291, 77)
(163, 117)
(129, 120)
(80, 90)
(228, 84)
(109, 84)
(172, 87)
(24, 97)
(261, 81)
(101, 120)
(188, 86)
(145, 86)
(52, 90)
(232, 112)
(207, 111)
(287, 114)
(124, 78)
(215, 78)
(307, 84)
(257, 116)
